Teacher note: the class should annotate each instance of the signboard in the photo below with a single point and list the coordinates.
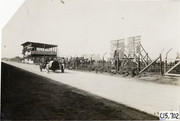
(117, 48)
(133, 45)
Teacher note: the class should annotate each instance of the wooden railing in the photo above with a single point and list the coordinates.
(43, 53)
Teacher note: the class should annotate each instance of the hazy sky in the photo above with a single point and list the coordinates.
(87, 26)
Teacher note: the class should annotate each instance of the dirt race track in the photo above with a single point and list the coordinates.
(28, 96)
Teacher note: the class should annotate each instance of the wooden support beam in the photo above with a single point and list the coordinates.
(143, 48)
(172, 67)
(147, 58)
(145, 52)
(165, 64)
(117, 68)
(173, 59)
(143, 60)
(139, 64)
(144, 56)
(168, 74)
(149, 65)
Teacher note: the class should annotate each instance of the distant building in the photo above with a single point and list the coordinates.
(33, 52)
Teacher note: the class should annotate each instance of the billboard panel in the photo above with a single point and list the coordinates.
(117, 48)
(133, 45)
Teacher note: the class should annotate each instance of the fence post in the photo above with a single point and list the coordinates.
(165, 64)
(103, 63)
(139, 64)
(91, 63)
(117, 68)
(160, 57)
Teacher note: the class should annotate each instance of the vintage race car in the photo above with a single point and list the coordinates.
(52, 65)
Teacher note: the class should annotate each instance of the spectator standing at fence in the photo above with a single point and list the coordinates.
(62, 67)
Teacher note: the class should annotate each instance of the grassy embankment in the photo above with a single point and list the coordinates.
(30, 96)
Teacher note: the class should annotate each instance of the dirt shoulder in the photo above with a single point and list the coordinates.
(27, 96)
(155, 78)
(150, 77)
